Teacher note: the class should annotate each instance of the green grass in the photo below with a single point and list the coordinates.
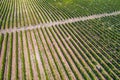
(86, 7)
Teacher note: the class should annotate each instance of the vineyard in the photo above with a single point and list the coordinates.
(60, 40)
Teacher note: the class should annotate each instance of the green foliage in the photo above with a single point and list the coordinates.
(10, 58)
(3, 59)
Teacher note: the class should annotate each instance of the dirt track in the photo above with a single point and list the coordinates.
(59, 22)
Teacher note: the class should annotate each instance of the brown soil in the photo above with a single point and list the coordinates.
(19, 58)
(13, 75)
(62, 57)
(37, 53)
(54, 53)
(32, 58)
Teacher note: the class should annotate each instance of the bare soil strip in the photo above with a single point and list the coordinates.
(62, 58)
(19, 58)
(27, 66)
(42, 70)
(32, 57)
(50, 59)
(65, 53)
(47, 66)
(56, 58)
(13, 73)
(4, 31)
(42, 74)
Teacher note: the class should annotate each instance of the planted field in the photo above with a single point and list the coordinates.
(60, 40)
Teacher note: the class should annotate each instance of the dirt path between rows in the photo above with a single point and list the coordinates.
(71, 20)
